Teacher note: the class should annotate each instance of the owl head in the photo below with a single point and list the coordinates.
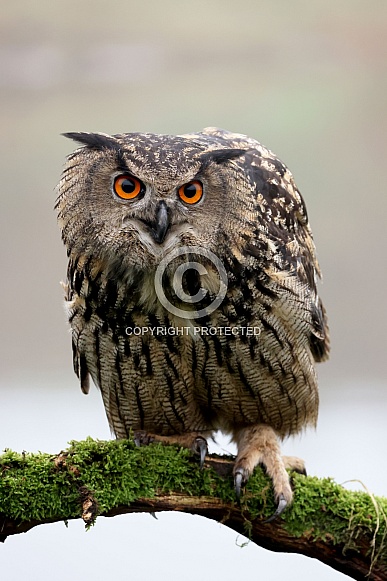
(129, 199)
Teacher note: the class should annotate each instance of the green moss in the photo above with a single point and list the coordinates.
(30, 488)
(38, 486)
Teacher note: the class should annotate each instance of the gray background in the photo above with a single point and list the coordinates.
(306, 78)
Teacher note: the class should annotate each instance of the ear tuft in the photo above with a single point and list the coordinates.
(220, 156)
(94, 140)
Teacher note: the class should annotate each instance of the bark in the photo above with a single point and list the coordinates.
(346, 530)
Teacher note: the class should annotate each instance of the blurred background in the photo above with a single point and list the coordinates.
(306, 78)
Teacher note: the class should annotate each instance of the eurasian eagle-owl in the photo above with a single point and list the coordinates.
(128, 203)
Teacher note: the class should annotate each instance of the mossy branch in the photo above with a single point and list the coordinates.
(346, 530)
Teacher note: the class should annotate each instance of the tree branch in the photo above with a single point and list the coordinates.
(346, 530)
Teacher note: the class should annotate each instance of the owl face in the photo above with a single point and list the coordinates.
(133, 198)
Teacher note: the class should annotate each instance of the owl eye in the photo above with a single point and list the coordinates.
(127, 187)
(191, 193)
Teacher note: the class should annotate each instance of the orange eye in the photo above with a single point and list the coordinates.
(191, 193)
(127, 187)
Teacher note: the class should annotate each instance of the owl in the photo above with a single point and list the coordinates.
(192, 293)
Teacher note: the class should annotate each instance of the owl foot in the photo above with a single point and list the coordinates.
(192, 440)
(259, 445)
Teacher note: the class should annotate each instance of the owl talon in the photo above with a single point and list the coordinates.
(303, 471)
(239, 481)
(142, 438)
(294, 464)
(282, 504)
(200, 447)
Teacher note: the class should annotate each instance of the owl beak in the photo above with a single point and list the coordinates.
(161, 224)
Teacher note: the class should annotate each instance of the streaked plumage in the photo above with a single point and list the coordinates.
(253, 218)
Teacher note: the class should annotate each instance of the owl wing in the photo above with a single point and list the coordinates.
(79, 361)
(284, 240)
(283, 244)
